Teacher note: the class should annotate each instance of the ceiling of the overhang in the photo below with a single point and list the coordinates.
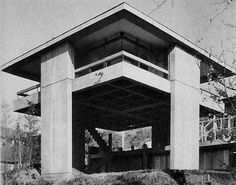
(120, 105)
(125, 26)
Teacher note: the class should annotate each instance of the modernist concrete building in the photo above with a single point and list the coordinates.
(117, 71)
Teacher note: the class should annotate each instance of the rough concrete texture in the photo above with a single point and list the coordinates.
(185, 82)
(56, 111)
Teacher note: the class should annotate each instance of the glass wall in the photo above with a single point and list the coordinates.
(125, 42)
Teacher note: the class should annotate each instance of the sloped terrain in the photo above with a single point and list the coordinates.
(152, 177)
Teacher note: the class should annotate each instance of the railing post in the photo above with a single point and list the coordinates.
(229, 126)
(105, 64)
(215, 128)
(221, 124)
(202, 131)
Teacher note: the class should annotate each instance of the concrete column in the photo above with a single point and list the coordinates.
(78, 146)
(185, 83)
(57, 72)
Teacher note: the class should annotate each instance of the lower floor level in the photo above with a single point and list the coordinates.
(215, 157)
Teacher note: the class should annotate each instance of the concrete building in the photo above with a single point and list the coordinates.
(117, 71)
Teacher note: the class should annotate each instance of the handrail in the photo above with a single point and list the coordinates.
(123, 56)
(145, 62)
(217, 125)
(25, 91)
(99, 61)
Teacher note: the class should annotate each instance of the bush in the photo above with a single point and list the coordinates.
(123, 178)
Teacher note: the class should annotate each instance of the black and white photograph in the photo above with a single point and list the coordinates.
(118, 92)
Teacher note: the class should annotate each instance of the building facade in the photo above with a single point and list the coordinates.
(120, 70)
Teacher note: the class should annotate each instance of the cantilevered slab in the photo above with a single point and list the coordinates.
(27, 65)
(22, 104)
(212, 104)
(119, 70)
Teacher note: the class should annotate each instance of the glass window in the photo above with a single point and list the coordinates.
(113, 47)
(129, 47)
(115, 44)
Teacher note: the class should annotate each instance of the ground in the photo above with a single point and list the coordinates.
(152, 177)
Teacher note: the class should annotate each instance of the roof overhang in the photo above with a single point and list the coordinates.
(122, 11)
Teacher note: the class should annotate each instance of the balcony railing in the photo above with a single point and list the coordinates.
(28, 91)
(121, 56)
(217, 129)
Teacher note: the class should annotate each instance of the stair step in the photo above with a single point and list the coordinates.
(97, 137)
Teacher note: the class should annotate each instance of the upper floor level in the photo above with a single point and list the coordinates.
(128, 54)
(122, 28)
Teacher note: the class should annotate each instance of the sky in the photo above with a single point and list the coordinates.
(26, 24)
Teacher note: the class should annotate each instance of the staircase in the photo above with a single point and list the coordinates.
(97, 137)
(98, 165)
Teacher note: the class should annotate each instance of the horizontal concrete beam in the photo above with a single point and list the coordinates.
(119, 70)
(210, 103)
(24, 102)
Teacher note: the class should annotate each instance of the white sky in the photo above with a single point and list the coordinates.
(25, 24)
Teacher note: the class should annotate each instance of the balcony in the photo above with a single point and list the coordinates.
(210, 101)
(217, 131)
(121, 65)
(27, 97)
(122, 56)
(122, 90)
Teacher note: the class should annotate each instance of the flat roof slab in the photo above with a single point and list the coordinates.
(28, 64)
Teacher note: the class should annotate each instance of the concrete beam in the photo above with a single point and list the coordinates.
(24, 102)
(118, 70)
(210, 103)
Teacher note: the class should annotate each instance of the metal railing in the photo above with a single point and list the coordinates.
(214, 129)
(121, 56)
(28, 91)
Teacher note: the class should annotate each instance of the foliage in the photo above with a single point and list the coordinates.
(137, 137)
(25, 146)
(116, 138)
(29, 139)
(6, 115)
(123, 178)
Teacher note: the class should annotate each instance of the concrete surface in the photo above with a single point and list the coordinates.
(185, 82)
(56, 111)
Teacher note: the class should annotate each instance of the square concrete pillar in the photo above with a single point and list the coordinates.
(57, 72)
(185, 84)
